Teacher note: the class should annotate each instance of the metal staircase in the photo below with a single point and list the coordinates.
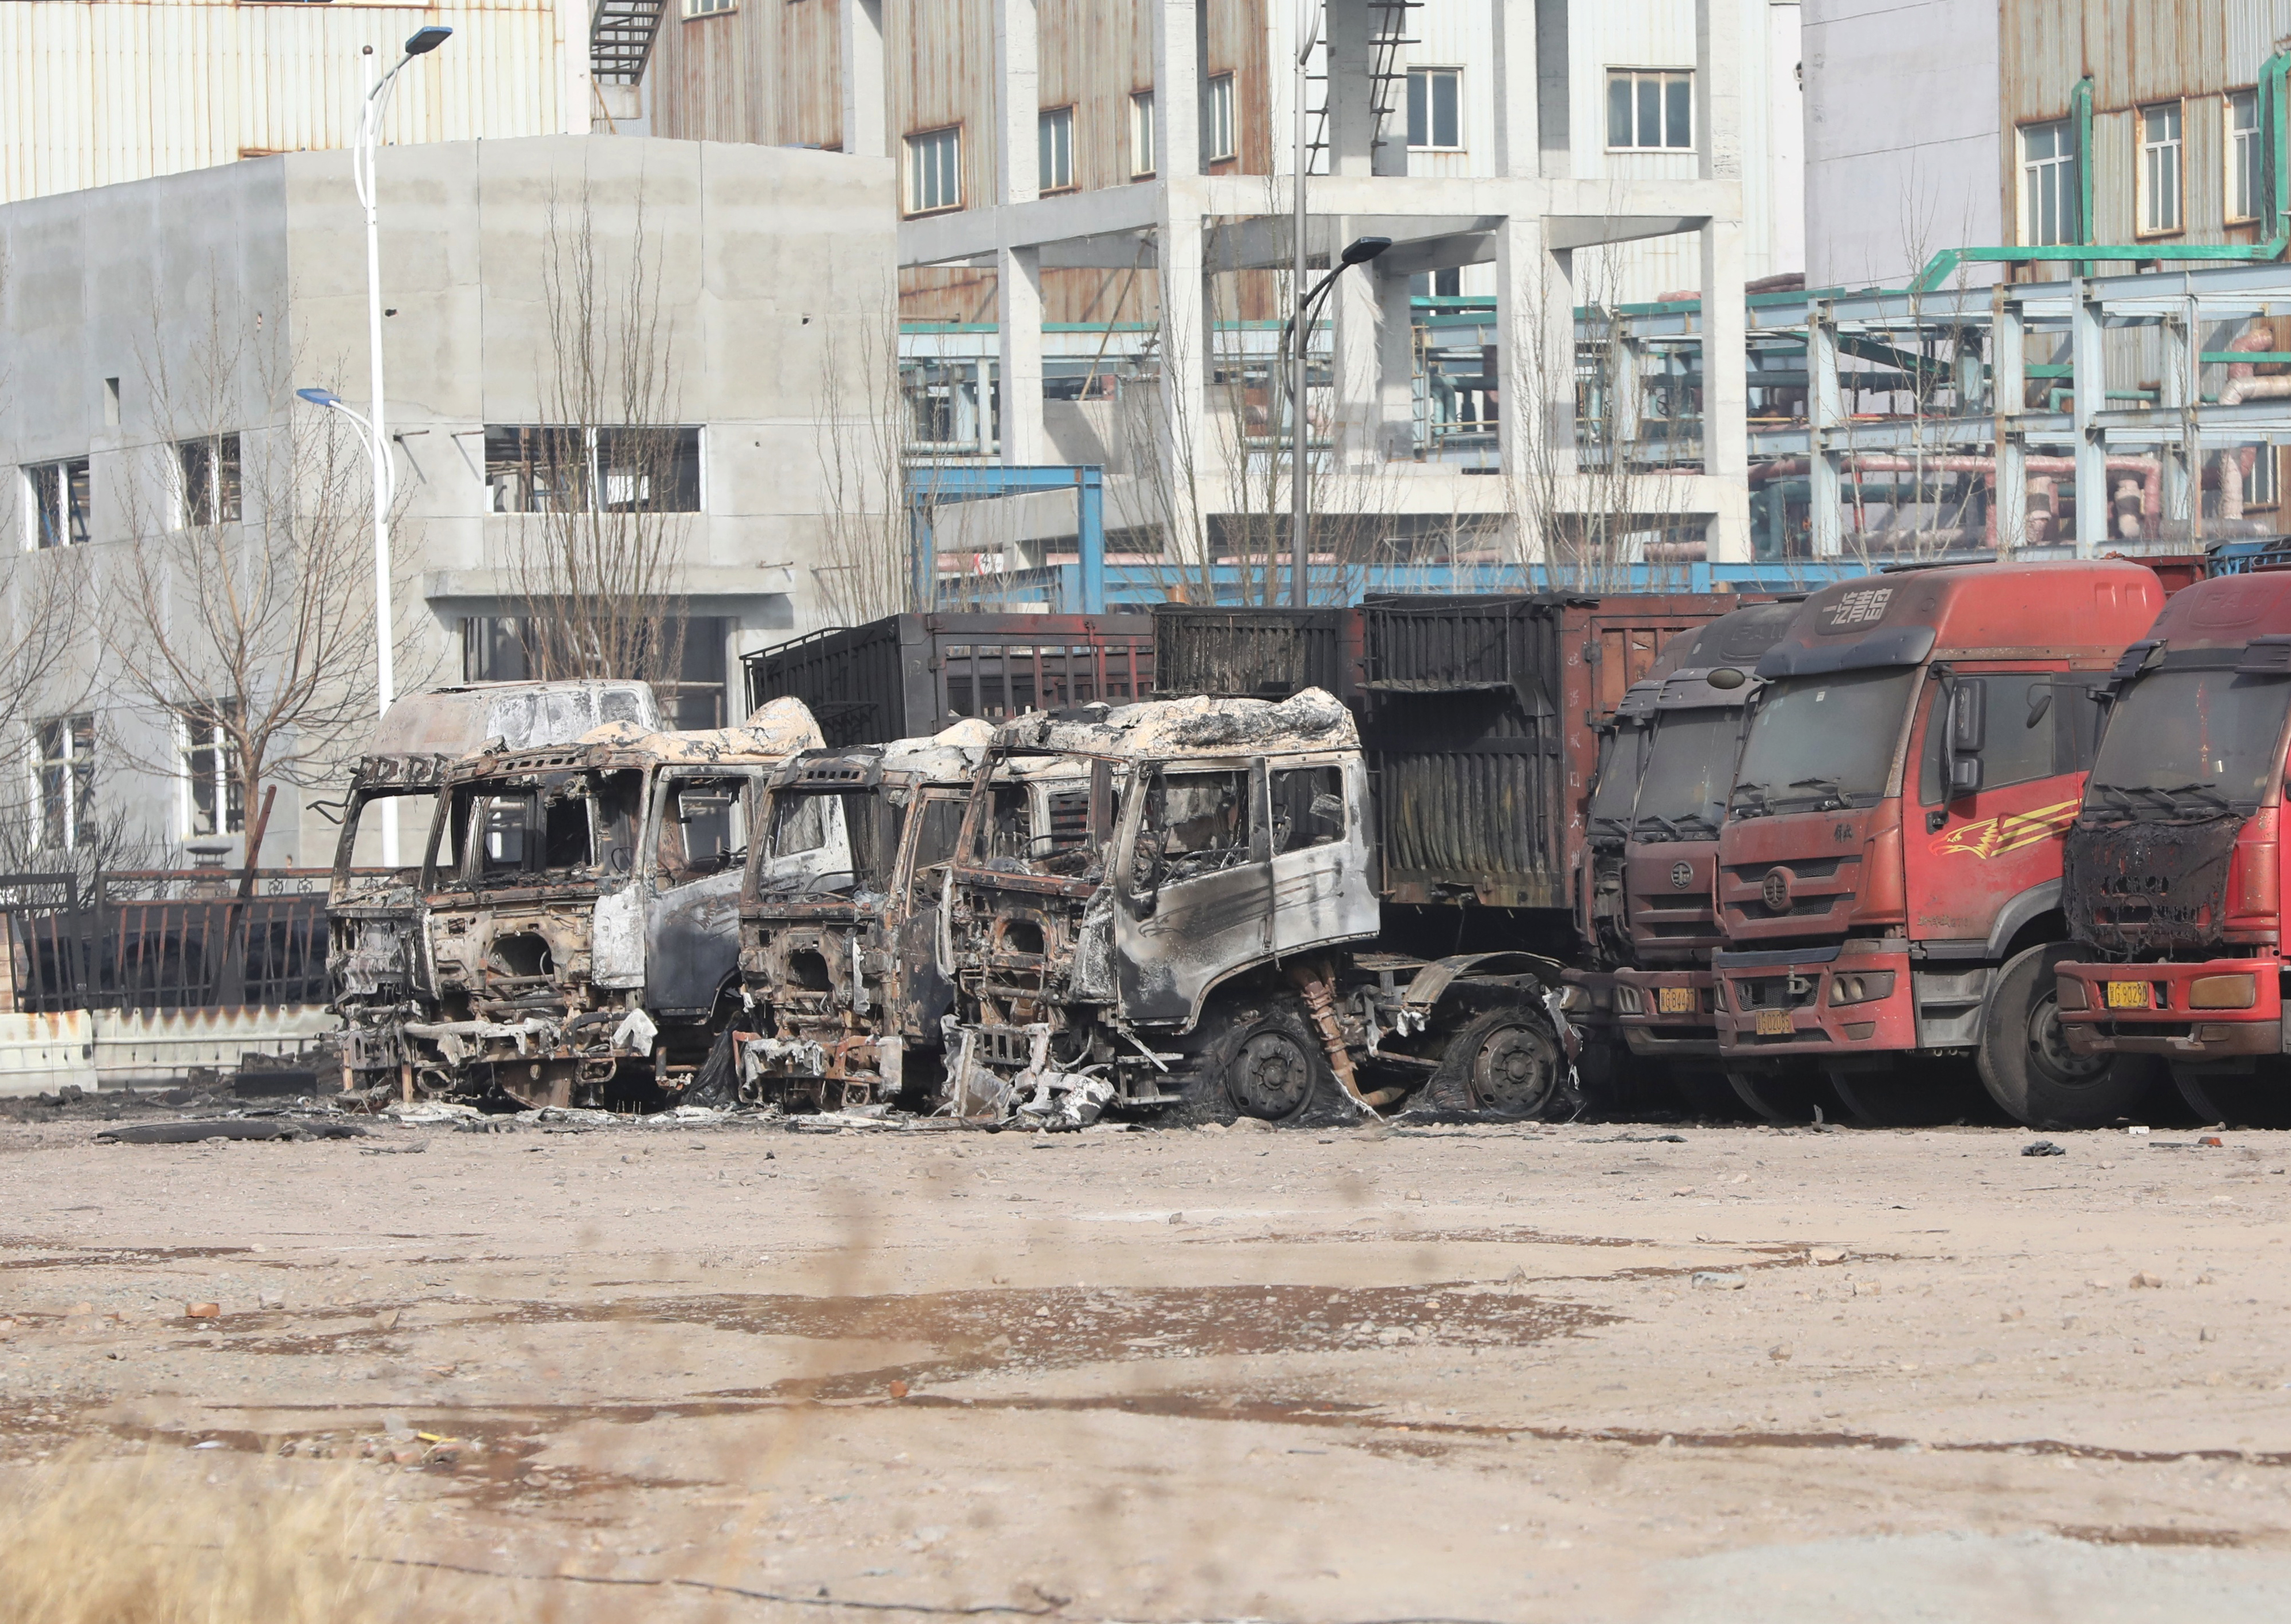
(621, 33)
(1387, 79)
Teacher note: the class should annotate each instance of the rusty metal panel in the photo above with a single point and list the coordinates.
(2115, 161)
(769, 74)
(1259, 653)
(938, 65)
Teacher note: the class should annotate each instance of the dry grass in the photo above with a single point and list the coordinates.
(157, 1541)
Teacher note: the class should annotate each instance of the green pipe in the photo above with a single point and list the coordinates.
(2272, 97)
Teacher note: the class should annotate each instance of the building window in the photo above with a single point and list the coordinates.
(1217, 142)
(1053, 134)
(2259, 487)
(2244, 184)
(209, 469)
(1141, 135)
(64, 780)
(1648, 111)
(514, 649)
(542, 468)
(215, 776)
(1435, 115)
(2160, 152)
(59, 493)
(935, 170)
(707, 8)
(2048, 183)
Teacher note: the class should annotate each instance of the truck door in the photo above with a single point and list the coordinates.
(1197, 888)
(692, 911)
(1321, 889)
(925, 993)
(2021, 744)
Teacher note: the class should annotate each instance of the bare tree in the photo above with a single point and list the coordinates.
(869, 545)
(240, 619)
(596, 569)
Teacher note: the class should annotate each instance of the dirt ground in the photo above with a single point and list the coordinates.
(1504, 1373)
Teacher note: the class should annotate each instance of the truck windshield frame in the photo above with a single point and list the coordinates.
(1622, 756)
(2191, 741)
(1689, 771)
(1825, 742)
(802, 820)
(538, 830)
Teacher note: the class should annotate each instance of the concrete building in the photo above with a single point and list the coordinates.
(1096, 241)
(93, 92)
(153, 334)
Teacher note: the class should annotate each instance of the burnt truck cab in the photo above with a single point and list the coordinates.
(583, 913)
(1889, 872)
(1668, 861)
(844, 956)
(2171, 877)
(374, 944)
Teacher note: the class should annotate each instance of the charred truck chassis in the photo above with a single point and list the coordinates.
(1207, 946)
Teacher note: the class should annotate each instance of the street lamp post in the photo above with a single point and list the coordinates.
(1360, 251)
(422, 42)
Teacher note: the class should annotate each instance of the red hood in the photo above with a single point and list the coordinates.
(1817, 866)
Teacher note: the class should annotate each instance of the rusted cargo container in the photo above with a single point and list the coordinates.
(1481, 730)
(1256, 653)
(908, 675)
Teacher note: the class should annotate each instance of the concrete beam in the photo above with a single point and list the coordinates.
(1395, 367)
(1725, 392)
(1018, 321)
(1184, 433)
(1512, 22)
(1018, 103)
(866, 131)
(1176, 89)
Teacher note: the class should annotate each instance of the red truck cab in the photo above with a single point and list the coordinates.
(2173, 884)
(1888, 877)
(1693, 727)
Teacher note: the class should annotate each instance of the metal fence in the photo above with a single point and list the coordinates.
(161, 940)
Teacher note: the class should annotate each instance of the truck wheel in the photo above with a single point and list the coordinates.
(1704, 1091)
(1263, 1062)
(1506, 1063)
(2261, 1099)
(2027, 1065)
(1786, 1094)
(1913, 1092)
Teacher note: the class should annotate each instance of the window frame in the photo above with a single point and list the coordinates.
(1662, 77)
(230, 772)
(2262, 489)
(698, 11)
(1144, 136)
(75, 772)
(2233, 136)
(542, 449)
(1427, 75)
(1220, 128)
(2143, 188)
(917, 142)
(1054, 127)
(2066, 166)
(73, 496)
(221, 499)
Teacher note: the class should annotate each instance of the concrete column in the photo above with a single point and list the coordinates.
(1018, 316)
(1719, 87)
(1512, 23)
(1725, 392)
(1358, 358)
(1553, 113)
(2088, 375)
(2008, 376)
(1396, 370)
(1176, 91)
(866, 131)
(1825, 415)
(1188, 451)
(1018, 103)
(2182, 464)
(1535, 371)
(1352, 54)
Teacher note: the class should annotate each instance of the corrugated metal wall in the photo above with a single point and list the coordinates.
(100, 91)
(769, 74)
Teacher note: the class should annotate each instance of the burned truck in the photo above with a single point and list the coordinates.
(844, 951)
(375, 967)
(1207, 944)
(583, 913)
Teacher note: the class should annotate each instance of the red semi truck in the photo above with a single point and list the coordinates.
(2172, 882)
(1889, 873)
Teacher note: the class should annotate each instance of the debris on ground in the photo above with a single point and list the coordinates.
(1712, 1280)
(191, 1131)
(2042, 1147)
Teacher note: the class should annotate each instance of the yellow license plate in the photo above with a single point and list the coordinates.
(1674, 1000)
(2127, 995)
(1773, 1023)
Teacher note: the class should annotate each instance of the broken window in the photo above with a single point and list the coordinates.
(59, 494)
(1198, 823)
(65, 770)
(214, 775)
(577, 823)
(941, 823)
(555, 468)
(208, 488)
(703, 827)
(1308, 809)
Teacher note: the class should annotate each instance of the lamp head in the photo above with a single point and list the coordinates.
(424, 40)
(319, 396)
(1361, 250)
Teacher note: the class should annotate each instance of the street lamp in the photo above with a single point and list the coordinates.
(422, 42)
(1294, 337)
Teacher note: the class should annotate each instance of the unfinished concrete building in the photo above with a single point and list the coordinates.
(1097, 251)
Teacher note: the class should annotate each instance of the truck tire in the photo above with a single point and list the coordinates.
(1789, 1093)
(2027, 1067)
(1704, 1092)
(1913, 1092)
(1261, 1060)
(2261, 1099)
(1507, 1063)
